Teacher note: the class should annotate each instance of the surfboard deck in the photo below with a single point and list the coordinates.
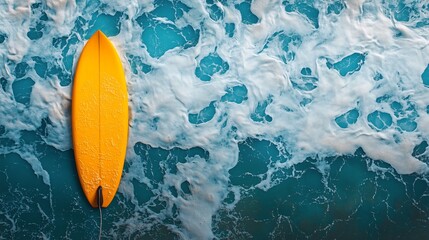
(99, 119)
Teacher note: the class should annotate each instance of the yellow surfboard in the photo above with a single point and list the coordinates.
(99, 119)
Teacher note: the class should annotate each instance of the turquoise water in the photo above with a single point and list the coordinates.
(249, 119)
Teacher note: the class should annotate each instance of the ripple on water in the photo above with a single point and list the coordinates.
(379, 120)
(210, 65)
(22, 90)
(306, 9)
(206, 114)
(259, 115)
(247, 17)
(160, 36)
(348, 118)
(236, 94)
(349, 64)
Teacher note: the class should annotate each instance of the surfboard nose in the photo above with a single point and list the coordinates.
(100, 34)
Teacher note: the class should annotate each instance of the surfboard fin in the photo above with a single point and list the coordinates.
(100, 204)
(100, 196)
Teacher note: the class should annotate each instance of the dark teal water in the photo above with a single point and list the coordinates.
(350, 197)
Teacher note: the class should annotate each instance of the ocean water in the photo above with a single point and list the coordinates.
(263, 119)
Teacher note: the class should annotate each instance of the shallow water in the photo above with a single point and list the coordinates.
(264, 119)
